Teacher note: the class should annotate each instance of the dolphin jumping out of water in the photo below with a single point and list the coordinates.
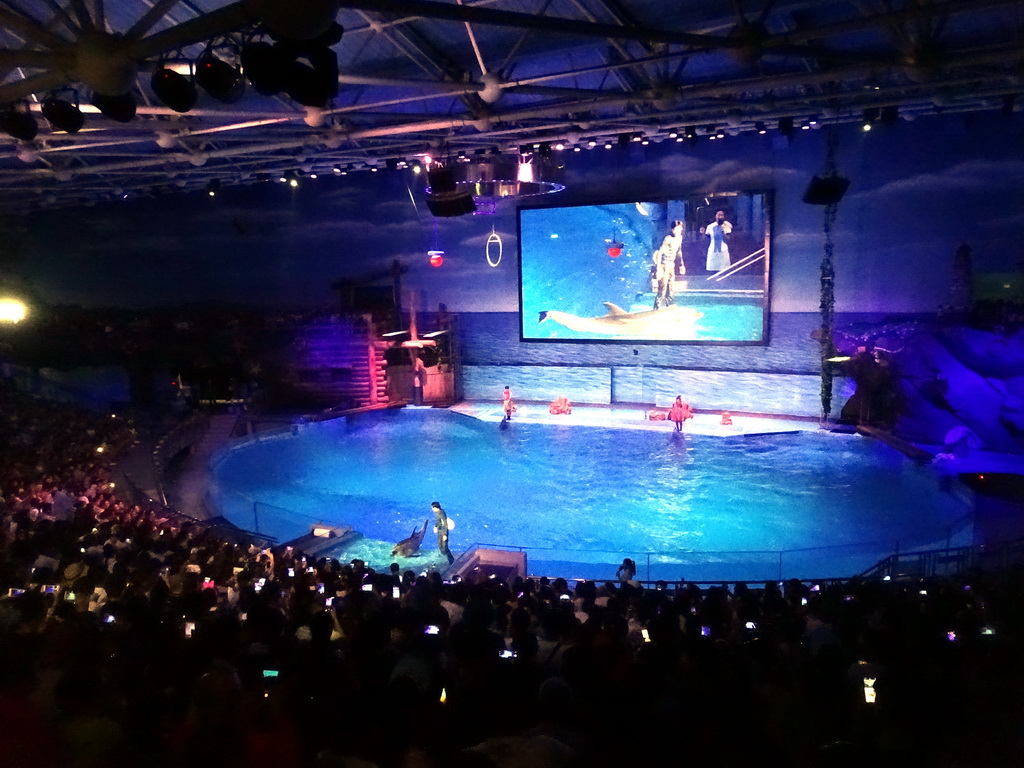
(666, 323)
(410, 546)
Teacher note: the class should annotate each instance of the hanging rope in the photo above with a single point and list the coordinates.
(828, 298)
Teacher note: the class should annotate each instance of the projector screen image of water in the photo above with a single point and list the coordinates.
(689, 269)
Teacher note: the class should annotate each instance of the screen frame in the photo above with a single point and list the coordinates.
(768, 196)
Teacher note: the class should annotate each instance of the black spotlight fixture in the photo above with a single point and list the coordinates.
(174, 89)
(786, 126)
(218, 78)
(62, 115)
(444, 198)
(760, 127)
(826, 190)
(265, 66)
(315, 83)
(889, 115)
(119, 108)
(17, 121)
(213, 187)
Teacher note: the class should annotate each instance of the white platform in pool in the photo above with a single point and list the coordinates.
(635, 417)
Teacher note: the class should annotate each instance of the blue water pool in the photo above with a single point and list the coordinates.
(580, 499)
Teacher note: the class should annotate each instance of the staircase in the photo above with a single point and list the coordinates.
(189, 492)
(336, 363)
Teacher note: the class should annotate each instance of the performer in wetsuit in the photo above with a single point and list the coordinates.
(441, 527)
(665, 260)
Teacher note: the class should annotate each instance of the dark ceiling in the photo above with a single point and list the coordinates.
(483, 78)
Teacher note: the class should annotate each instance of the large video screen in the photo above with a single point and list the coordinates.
(690, 269)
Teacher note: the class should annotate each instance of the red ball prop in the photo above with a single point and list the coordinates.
(436, 258)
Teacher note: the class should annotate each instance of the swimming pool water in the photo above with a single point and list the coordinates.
(584, 498)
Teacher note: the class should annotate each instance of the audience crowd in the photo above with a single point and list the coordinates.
(131, 636)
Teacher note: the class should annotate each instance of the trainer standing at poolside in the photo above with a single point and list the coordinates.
(507, 404)
(441, 526)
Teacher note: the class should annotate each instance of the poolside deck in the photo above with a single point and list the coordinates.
(635, 417)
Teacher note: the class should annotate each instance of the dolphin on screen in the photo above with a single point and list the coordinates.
(666, 323)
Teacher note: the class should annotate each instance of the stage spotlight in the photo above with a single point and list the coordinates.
(786, 126)
(760, 127)
(623, 139)
(265, 66)
(444, 198)
(63, 115)
(121, 108)
(871, 115)
(213, 187)
(316, 83)
(174, 89)
(18, 122)
(826, 190)
(391, 163)
(218, 78)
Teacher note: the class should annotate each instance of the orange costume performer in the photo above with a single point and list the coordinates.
(680, 412)
(507, 404)
(561, 405)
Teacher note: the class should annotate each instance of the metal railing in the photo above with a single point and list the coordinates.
(137, 495)
(948, 561)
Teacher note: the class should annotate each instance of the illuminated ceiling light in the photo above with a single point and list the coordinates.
(760, 127)
(559, 146)
(119, 108)
(638, 137)
(592, 143)
(213, 187)
(644, 142)
(218, 78)
(12, 310)
(18, 122)
(174, 89)
(577, 148)
(608, 145)
(62, 115)
(293, 182)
